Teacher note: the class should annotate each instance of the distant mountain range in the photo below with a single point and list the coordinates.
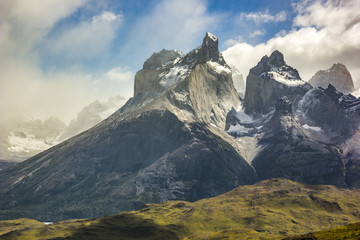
(24, 136)
(187, 135)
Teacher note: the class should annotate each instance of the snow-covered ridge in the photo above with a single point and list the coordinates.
(219, 68)
(283, 76)
(314, 128)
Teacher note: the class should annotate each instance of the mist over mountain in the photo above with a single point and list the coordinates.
(23, 136)
(91, 115)
(186, 135)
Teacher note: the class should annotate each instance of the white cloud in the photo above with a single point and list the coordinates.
(24, 87)
(172, 24)
(23, 23)
(258, 33)
(264, 17)
(119, 74)
(325, 33)
(232, 41)
(87, 39)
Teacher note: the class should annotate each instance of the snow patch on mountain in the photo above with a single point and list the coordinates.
(174, 75)
(218, 68)
(239, 129)
(284, 77)
(211, 36)
(313, 128)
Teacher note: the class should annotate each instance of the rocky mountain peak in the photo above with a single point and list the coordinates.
(276, 59)
(332, 92)
(275, 63)
(208, 51)
(337, 75)
(270, 79)
(164, 57)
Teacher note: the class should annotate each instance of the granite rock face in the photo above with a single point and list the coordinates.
(338, 76)
(270, 79)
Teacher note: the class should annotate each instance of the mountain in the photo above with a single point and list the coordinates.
(270, 79)
(165, 143)
(290, 138)
(186, 135)
(91, 115)
(271, 209)
(337, 75)
(24, 136)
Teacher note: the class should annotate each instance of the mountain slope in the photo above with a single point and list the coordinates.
(165, 143)
(348, 232)
(272, 209)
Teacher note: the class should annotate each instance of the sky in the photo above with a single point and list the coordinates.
(56, 56)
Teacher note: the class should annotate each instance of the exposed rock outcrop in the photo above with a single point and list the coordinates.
(270, 79)
(337, 75)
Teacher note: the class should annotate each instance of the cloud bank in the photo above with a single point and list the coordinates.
(323, 33)
(264, 17)
(25, 89)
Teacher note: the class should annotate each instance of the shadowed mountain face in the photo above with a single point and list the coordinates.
(289, 151)
(163, 144)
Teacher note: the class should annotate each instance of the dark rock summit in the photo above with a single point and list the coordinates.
(337, 75)
(270, 79)
(208, 51)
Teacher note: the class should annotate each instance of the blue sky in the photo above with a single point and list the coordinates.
(228, 24)
(59, 55)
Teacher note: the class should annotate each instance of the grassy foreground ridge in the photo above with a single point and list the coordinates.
(271, 209)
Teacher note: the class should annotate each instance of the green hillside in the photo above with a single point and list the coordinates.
(348, 232)
(271, 209)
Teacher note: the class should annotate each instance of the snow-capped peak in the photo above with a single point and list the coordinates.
(211, 36)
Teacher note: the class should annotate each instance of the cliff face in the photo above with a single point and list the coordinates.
(337, 75)
(270, 79)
